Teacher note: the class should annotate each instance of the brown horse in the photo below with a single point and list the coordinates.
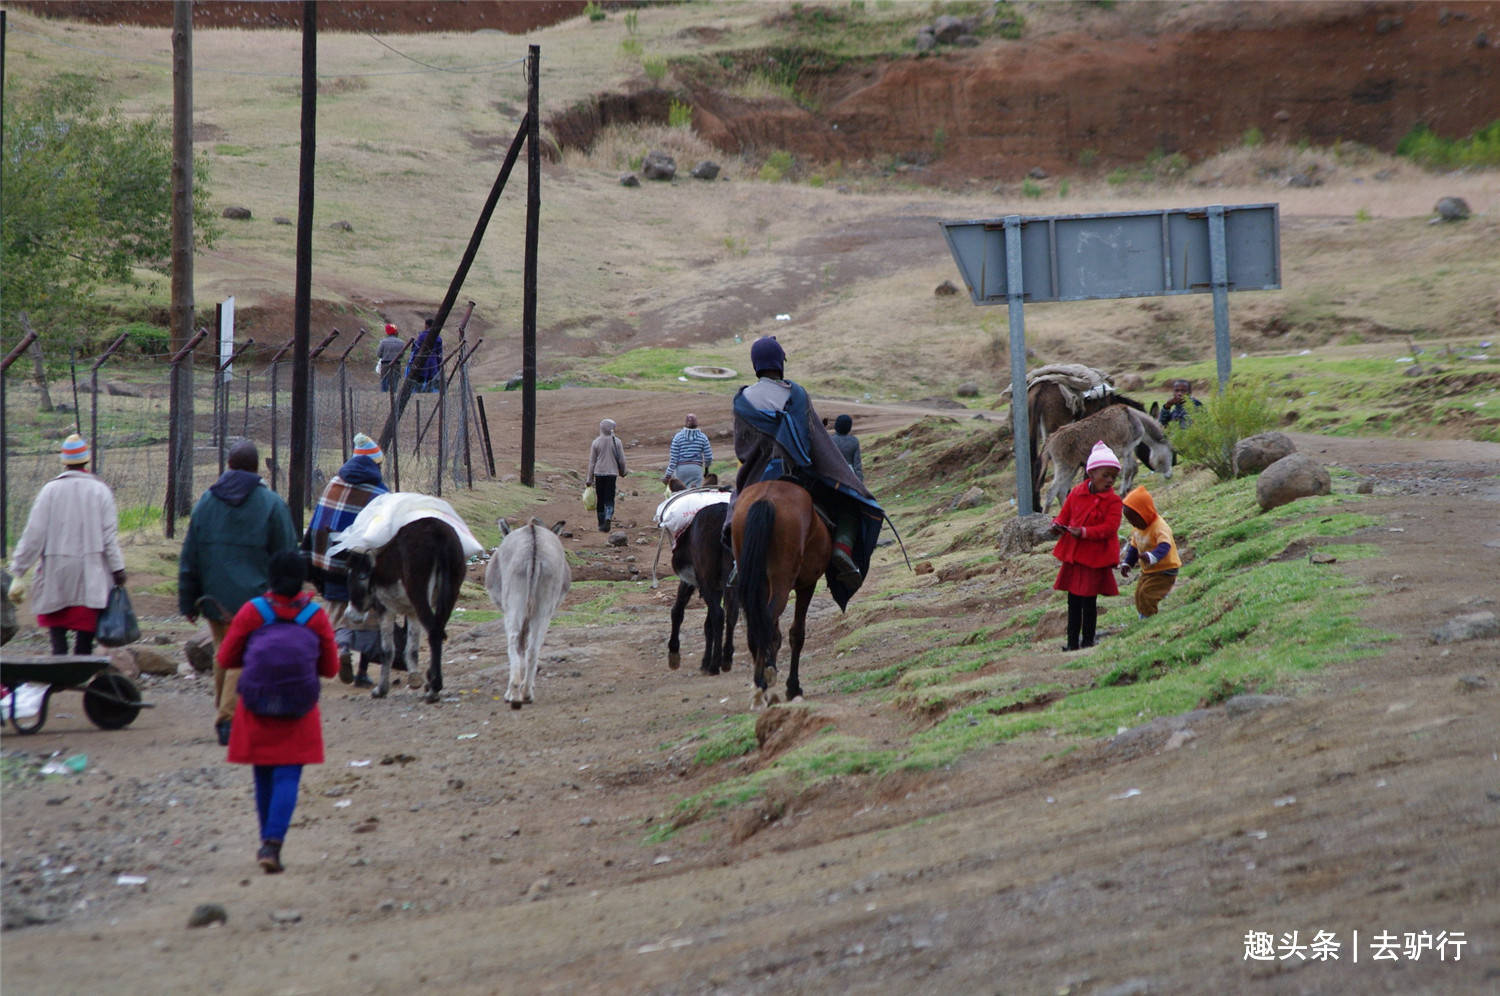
(780, 546)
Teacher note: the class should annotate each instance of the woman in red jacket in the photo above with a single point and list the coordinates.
(295, 645)
(1089, 544)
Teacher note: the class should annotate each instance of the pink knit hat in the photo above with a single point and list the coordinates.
(75, 450)
(1102, 456)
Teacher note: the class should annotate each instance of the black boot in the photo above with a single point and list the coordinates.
(842, 561)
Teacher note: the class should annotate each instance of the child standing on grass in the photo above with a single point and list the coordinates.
(1088, 545)
(1152, 546)
(283, 643)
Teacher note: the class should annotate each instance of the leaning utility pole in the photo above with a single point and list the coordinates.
(182, 247)
(297, 468)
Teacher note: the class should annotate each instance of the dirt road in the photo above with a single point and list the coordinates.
(471, 848)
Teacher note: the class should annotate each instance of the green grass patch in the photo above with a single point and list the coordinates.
(600, 606)
(1423, 145)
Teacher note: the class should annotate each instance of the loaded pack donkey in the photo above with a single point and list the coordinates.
(527, 578)
(1123, 429)
(1058, 394)
(407, 557)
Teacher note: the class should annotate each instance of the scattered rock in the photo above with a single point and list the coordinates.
(286, 916)
(122, 659)
(1255, 453)
(237, 213)
(968, 389)
(1037, 173)
(945, 289)
(115, 389)
(1415, 370)
(1470, 626)
(536, 890)
(618, 538)
(386, 906)
(279, 220)
(1243, 705)
(658, 166)
(971, 498)
(947, 29)
(1304, 180)
(152, 662)
(207, 914)
(924, 42)
(1472, 683)
(1292, 477)
(1386, 25)
(1322, 558)
(1020, 534)
(627, 180)
(1452, 208)
(924, 567)
(341, 226)
(1130, 382)
(1365, 487)
(586, 821)
(200, 651)
(706, 170)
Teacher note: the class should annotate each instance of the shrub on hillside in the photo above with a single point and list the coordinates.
(1241, 411)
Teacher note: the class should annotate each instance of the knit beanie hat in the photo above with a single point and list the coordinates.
(766, 354)
(365, 446)
(1102, 456)
(75, 450)
(390, 329)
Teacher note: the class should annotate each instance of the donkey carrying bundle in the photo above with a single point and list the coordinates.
(1124, 430)
(407, 556)
(527, 578)
(1056, 395)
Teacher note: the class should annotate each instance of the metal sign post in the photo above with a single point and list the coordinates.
(1123, 254)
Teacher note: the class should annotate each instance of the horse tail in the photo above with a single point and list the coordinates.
(754, 585)
(441, 594)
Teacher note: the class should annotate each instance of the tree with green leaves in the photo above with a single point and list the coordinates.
(87, 202)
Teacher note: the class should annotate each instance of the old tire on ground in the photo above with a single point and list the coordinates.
(710, 373)
(108, 701)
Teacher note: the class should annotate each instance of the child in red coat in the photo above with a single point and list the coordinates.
(1088, 545)
(279, 745)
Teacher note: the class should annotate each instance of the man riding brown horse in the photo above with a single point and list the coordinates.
(778, 435)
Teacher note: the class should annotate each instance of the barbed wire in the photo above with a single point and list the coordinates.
(485, 69)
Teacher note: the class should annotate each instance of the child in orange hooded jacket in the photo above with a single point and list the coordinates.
(1088, 545)
(1152, 546)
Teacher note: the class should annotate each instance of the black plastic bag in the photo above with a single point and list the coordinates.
(117, 625)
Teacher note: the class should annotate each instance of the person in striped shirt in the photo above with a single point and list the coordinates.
(690, 456)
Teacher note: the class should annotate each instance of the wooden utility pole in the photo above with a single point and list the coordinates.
(182, 246)
(297, 467)
(528, 304)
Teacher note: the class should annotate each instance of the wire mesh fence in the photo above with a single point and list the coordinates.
(439, 446)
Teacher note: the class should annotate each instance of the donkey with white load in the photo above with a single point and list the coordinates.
(407, 557)
(527, 578)
(1122, 429)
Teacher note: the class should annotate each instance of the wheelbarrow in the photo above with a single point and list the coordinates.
(110, 700)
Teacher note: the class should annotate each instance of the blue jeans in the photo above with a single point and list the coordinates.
(275, 797)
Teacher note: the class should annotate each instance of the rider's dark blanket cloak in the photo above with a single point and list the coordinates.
(793, 444)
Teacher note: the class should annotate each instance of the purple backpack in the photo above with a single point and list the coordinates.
(280, 671)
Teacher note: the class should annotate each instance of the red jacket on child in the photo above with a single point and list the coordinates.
(1098, 515)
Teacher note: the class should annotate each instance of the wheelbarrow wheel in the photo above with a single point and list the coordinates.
(36, 721)
(110, 700)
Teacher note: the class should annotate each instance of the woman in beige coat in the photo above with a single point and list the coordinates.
(72, 535)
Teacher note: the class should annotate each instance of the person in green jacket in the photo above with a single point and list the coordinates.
(236, 528)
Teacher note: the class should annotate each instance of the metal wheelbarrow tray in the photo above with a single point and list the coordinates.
(110, 700)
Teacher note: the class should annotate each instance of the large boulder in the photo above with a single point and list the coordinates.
(1255, 453)
(658, 166)
(1452, 208)
(1293, 476)
(947, 29)
(1020, 534)
(706, 170)
(1472, 626)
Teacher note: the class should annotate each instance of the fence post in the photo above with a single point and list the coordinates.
(94, 407)
(275, 368)
(221, 411)
(312, 412)
(174, 434)
(344, 406)
(10, 358)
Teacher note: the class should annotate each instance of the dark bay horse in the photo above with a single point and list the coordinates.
(781, 546)
(701, 563)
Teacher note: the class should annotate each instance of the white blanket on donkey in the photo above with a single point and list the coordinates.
(380, 520)
(676, 512)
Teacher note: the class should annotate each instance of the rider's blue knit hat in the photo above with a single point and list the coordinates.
(766, 354)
